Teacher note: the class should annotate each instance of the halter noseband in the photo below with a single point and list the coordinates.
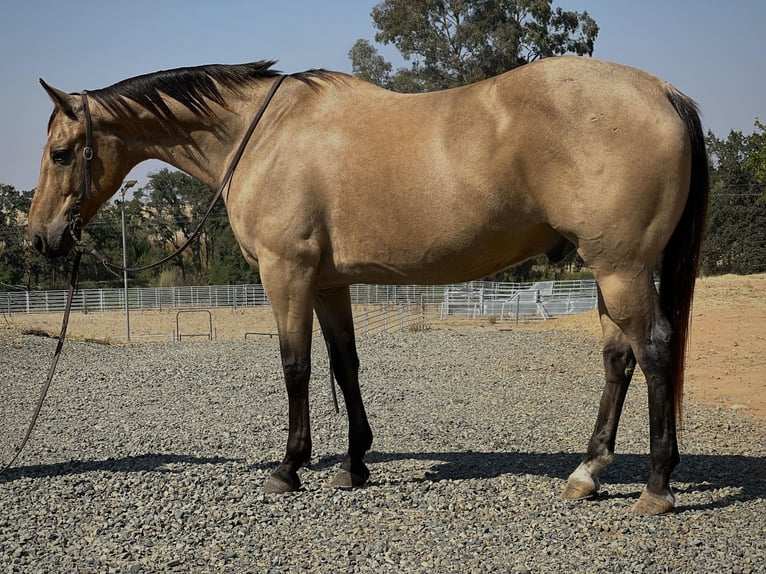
(75, 218)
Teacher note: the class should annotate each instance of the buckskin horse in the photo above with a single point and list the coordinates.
(343, 182)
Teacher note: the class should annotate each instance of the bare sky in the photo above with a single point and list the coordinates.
(711, 50)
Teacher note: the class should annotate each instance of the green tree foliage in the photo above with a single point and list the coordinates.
(736, 233)
(177, 203)
(456, 42)
(14, 264)
(368, 65)
(104, 234)
(756, 161)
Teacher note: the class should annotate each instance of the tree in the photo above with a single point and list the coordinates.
(368, 65)
(178, 203)
(756, 161)
(14, 270)
(736, 233)
(104, 234)
(21, 267)
(456, 42)
(175, 200)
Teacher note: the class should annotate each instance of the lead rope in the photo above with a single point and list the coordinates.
(75, 227)
(54, 360)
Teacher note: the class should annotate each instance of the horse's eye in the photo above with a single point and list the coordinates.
(61, 156)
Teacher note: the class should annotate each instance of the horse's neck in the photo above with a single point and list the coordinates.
(192, 147)
(197, 145)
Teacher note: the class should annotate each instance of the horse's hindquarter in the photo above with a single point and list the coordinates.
(615, 174)
(455, 185)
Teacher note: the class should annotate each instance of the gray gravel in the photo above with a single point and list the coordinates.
(151, 458)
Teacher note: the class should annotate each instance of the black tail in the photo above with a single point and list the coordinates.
(681, 255)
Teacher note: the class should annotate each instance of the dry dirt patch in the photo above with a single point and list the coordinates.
(727, 352)
(152, 325)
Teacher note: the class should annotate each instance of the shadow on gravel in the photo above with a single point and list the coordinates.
(741, 478)
(141, 463)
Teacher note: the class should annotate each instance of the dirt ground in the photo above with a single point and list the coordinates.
(726, 357)
(726, 361)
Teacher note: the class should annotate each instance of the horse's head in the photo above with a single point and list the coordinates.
(81, 168)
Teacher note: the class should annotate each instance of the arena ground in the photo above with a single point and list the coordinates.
(726, 361)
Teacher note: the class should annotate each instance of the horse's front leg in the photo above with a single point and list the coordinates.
(333, 309)
(290, 298)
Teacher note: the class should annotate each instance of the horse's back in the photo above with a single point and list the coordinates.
(458, 184)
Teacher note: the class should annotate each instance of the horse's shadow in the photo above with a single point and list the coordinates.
(150, 462)
(742, 478)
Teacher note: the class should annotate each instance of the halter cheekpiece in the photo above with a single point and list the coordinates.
(75, 218)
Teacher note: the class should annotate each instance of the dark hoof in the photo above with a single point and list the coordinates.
(350, 479)
(280, 483)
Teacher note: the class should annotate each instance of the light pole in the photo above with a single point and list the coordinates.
(128, 184)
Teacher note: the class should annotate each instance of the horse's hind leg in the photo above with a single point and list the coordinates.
(333, 309)
(619, 363)
(632, 303)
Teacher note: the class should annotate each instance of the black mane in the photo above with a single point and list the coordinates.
(193, 87)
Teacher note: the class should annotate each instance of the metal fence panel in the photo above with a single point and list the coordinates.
(477, 298)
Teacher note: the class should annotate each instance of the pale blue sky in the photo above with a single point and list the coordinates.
(712, 50)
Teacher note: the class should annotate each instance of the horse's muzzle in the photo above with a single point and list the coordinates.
(55, 249)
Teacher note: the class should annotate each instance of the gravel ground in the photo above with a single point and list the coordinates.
(151, 458)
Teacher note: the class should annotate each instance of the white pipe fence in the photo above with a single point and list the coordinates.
(503, 301)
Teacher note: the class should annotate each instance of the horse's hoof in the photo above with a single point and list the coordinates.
(278, 484)
(348, 479)
(654, 504)
(576, 489)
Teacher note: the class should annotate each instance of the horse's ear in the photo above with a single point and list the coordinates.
(61, 99)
